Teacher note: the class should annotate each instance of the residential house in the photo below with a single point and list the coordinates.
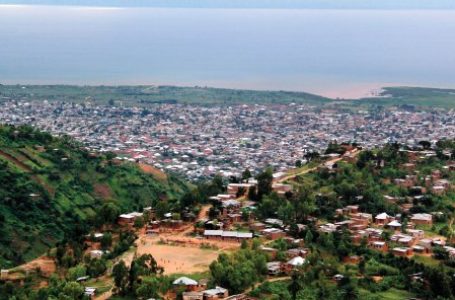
(422, 219)
(402, 251)
(383, 219)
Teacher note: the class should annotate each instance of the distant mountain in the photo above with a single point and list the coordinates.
(51, 188)
(310, 4)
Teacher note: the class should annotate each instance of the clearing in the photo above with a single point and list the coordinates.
(156, 173)
(178, 259)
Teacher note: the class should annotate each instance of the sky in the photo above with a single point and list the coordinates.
(317, 4)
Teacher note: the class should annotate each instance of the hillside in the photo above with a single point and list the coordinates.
(417, 96)
(51, 187)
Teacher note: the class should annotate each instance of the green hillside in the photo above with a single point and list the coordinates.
(416, 96)
(51, 187)
(142, 95)
(145, 95)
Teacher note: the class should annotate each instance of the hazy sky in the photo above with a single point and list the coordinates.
(347, 4)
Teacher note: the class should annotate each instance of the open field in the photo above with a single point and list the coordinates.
(178, 259)
(45, 264)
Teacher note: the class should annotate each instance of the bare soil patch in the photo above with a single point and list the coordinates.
(158, 174)
(103, 190)
(45, 264)
(184, 258)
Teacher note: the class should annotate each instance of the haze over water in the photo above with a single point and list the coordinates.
(343, 53)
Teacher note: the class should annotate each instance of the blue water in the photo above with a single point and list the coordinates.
(333, 52)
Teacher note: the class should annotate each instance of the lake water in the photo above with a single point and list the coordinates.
(331, 52)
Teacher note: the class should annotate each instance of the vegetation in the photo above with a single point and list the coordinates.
(146, 95)
(407, 97)
(239, 270)
(52, 190)
(411, 97)
(327, 271)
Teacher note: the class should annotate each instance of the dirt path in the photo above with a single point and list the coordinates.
(127, 257)
(269, 279)
(46, 266)
(15, 161)
(203, 213)
(188, 229)
(331, 161)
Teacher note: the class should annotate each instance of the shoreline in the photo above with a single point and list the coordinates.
(353, 92)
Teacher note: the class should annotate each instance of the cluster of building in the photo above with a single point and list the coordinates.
(384, 232)
(402, 239)
(420, 187)
(200, 141)
(194, 290)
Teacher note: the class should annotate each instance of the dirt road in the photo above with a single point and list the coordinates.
(331, 161)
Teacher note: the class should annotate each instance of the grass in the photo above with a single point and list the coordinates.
(426, 97)
(426, 260)
(196, 276)
(148, 95)
(100, 285)
(391, 294)
(117, 297)
(302, 169)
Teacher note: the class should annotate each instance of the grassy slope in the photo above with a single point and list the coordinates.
(444, 98)
(70, 192)
(148, 94)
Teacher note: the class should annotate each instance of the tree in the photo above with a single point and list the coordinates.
(246, 174)
(346, 289)
(252, 195)
(72, 290)
(304, 205)
(308, 238)
(76, 272)
(96, 267)
(162, 207)
(239, 270)
(218, 182)
(425, 144)
(296, 284)
(190, 198)
(148, 288)
(106, 240)
(145, 265)
(120, 273)
(268, 206)
(298, 163)
(265, 180)
(139, 222)
(109, 212)
(286, 213)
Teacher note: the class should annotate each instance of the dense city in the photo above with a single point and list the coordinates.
(200, 141)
